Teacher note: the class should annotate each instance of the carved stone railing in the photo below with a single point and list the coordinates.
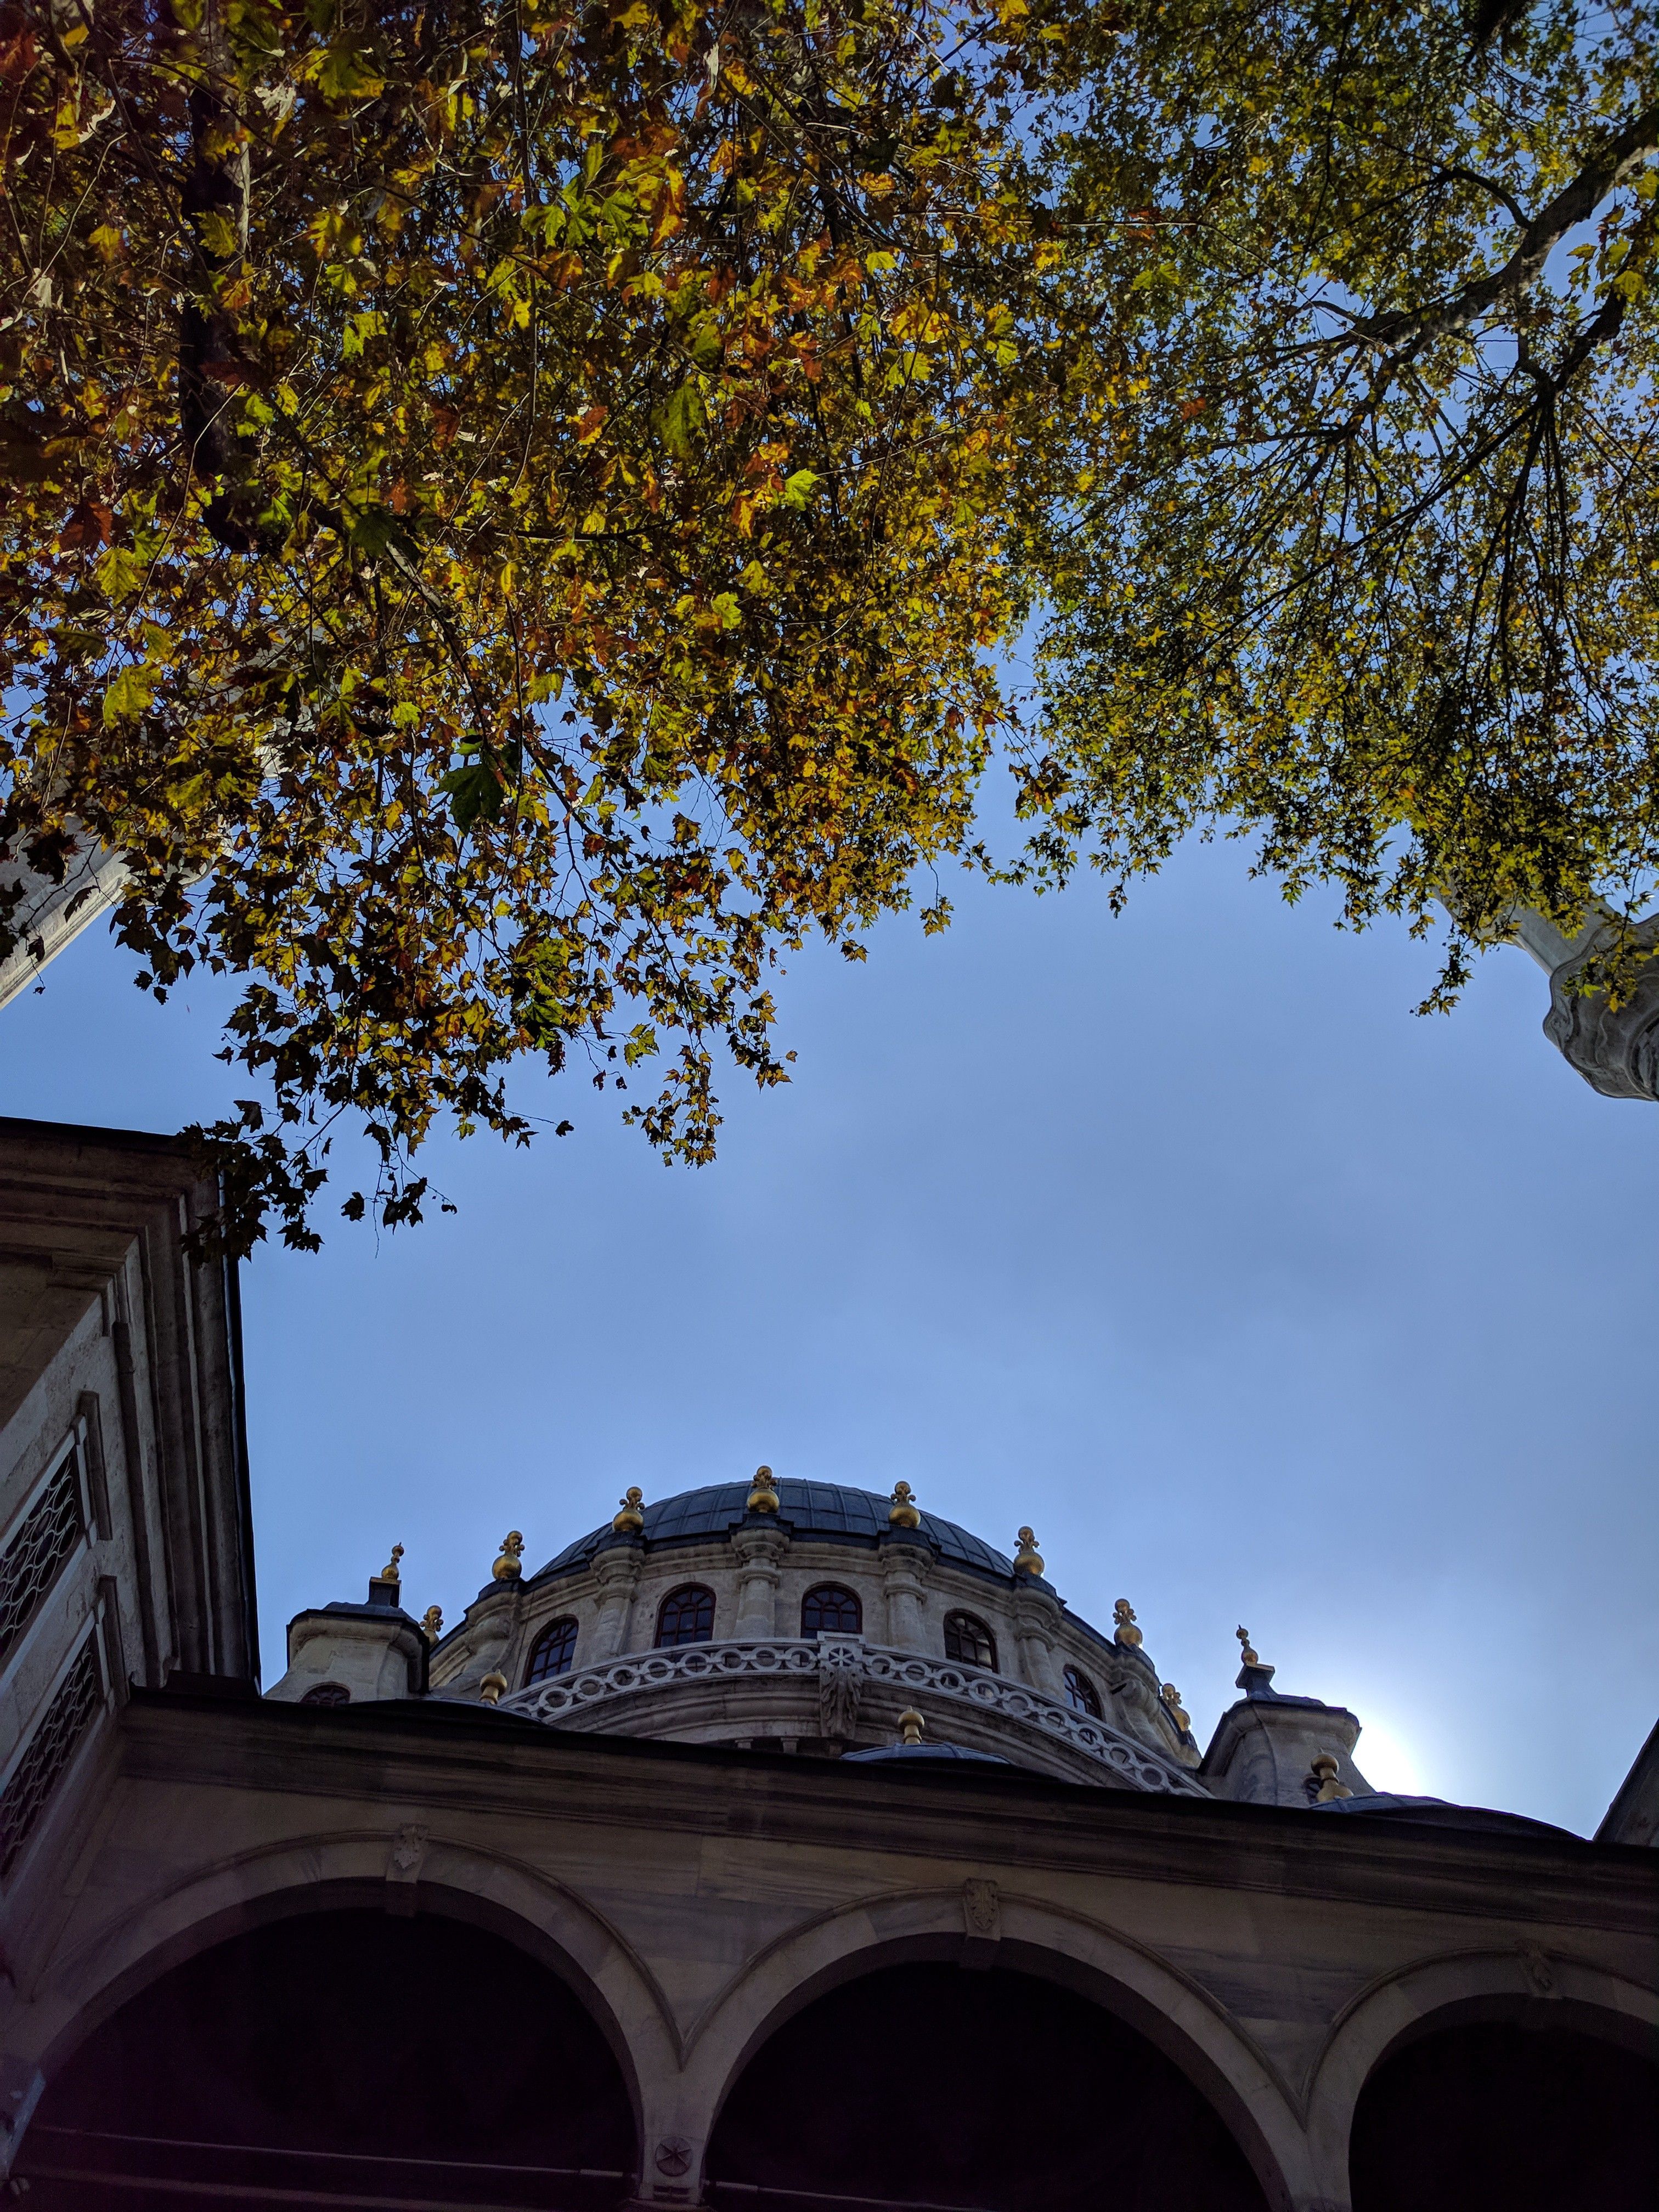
(838, 1667)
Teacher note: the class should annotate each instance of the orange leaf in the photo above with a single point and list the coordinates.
(90, 525)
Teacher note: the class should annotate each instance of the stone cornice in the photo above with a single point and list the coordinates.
(465, 1761)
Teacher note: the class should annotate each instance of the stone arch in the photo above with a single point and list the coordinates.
(1034, 1937)
(1526, 1984)
(74, 1996)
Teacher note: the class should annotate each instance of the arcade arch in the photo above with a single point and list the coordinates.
(305, 2053)
(923, 2083)
(1129, 1986)
(1518, 2110)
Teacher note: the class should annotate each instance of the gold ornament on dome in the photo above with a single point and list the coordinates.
(629, 1520)
(389, 1572)
(1322, 1785)
(510, 1566)
(1028, 1560)
(492, 1689)
(1124, 1614)
(432, 1621)
(903, 1512)
(1246, 1652)
(763, 1497)
(911, 1725)
(1171, 1698)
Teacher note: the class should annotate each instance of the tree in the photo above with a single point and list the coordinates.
(1360, 554)
(506, 523)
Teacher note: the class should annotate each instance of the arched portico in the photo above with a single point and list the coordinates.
(1524, 1987)
(339, 2051)
(974, 1925)
(405, 1872)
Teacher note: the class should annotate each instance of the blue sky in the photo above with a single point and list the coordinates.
(1177, 1236)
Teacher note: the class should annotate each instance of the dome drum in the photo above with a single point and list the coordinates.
(703, 1619)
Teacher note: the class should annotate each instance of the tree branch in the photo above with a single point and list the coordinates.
(1573, 204)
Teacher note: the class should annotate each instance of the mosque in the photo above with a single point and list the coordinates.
(777, 1846)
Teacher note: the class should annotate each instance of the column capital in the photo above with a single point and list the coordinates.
(760, 1542)
(620, 1562)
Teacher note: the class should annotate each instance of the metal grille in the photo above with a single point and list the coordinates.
(50, 1750)
(830, 1610)
(1081, 1694)
(687, 1616)
(967, 1638)
(29, 1566)
(552, 1653)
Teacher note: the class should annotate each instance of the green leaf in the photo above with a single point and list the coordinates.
(129, 695)
(682, 419)
(474, 790)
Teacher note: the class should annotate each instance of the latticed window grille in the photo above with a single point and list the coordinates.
(687, 1616)
(51, 1747)
(830, 1610)
(48, 1533)
(968, 1639)
(1081, 1694)
(553, 1652)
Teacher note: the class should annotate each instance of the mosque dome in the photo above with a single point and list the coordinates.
(810, 1618)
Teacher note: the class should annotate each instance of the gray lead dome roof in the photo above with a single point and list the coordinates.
(811, 1509)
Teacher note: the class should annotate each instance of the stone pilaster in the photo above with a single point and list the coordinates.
(486, 1635)
(1037, 1618)
(760, 1547)
(906, 1560)
(618, 1567)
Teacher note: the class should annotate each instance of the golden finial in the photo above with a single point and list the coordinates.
(763, 1497)
(1028, 1560)
(389, 1572)
(1171, 1698)
(509, 1566)
(903, 1513)
(911, 1725)
(1322, 1784)
(630, 1521)
(1124, 1613)
(492, 1689)
(432, 1621)
(1250, 1657)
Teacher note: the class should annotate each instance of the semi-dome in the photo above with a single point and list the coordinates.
(805, 1617)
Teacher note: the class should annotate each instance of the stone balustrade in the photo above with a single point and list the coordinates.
(846, 1663)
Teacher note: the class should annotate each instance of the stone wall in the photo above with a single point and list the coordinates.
(693, 1896)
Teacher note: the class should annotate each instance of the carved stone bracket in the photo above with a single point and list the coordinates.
(981, 1914)
(402, 1867)
(842, 1677)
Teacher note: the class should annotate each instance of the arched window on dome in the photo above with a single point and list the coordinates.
(968, 1638)
(553, 1652)
(831, 1610)
(1081, 1694)
(687, 1616)
(327, 1694)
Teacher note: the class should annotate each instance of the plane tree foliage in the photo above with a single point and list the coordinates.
(503, 523)
(514, 507)
(1359, 552)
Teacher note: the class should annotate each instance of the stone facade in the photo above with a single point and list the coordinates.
(700, 1842)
